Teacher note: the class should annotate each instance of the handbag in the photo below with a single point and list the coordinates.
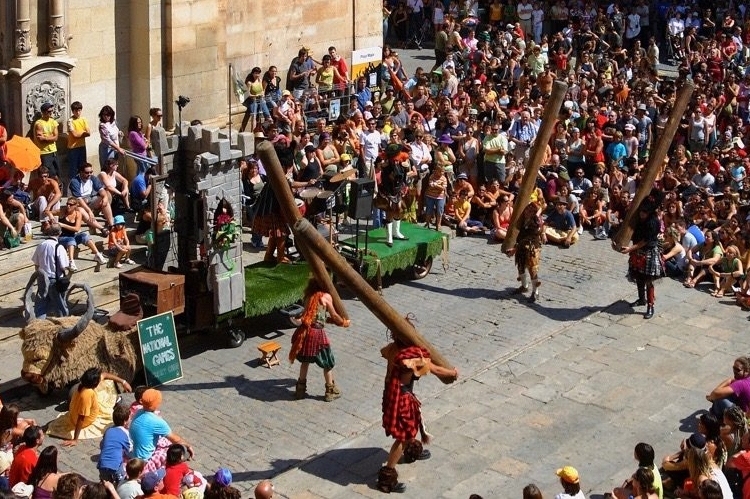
(62, 282)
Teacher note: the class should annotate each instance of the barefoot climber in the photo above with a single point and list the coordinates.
(528, 249)
(310, 342)
(402, 415)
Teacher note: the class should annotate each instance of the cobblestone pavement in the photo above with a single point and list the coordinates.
(578, 378)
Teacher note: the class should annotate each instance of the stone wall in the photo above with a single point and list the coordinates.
(138, 54)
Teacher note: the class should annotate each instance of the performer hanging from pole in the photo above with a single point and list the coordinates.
(645, 263)
(310, 342)
(528, 249)
(402, 414)
(392, 189)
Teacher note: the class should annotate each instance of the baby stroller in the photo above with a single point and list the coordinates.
(418, 37)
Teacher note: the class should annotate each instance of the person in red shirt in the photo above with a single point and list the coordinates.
(175, 470)
(26, 455)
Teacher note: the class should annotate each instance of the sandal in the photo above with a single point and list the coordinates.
(717, 293)
(689, 283)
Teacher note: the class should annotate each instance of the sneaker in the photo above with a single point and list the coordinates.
(72, 266)
(100, 258)
(129, 261)
(118, 265)
(580, 230)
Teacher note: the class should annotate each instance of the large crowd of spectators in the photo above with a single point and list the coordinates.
(468, 122)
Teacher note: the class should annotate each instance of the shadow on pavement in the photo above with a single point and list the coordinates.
(269, 390)
(277, 466)
(360, 465)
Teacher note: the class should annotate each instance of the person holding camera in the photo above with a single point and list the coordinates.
(50, 261)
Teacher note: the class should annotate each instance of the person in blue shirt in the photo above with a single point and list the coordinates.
(560, 225)
(616, 150)
(115, 447)
(91, 195)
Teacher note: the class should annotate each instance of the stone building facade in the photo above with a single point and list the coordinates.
(138, 54)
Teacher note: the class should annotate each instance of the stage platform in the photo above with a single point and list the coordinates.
(378, 260)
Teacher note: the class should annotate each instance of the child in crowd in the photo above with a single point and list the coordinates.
(115, 446)
(119, 244)
(131, 488)
(176, 469)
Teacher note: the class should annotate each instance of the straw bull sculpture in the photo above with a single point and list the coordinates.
(57, 350)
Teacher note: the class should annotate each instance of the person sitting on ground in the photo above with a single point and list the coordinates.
(638, 486)
(12, 426)
(45, 475)
(673, 253)
(25, 458)
(69, 486)
(176, 469)
(465, 225)
(644, 454)
(570, 482)
(118, 244)
(501, 216)
(560, 225)
(131, 487)
(740, 463)
(674, 467)
(726, 272)
(145, 430)
(46, 195)
(12, 214)
(91, 195)
(593, 214)
(710, 254)
(734, 428)
(70, 220)
(702, 468)
(91, 407)
(115, 447)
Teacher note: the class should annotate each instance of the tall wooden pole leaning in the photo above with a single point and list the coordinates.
(291, 214)
(399, 326)
(536, 155)
(654, 164)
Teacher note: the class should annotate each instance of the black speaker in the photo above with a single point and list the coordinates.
(361, 197)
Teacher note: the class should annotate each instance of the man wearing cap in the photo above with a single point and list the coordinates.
(561, 225)
(152, 482)
(145, 430)
(570, 483)
(45, 137)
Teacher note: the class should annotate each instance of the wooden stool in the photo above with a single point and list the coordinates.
(268, 351)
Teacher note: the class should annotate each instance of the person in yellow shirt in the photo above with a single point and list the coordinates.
(91, 407)
(45, 137)
(466, 225)
(78, 130)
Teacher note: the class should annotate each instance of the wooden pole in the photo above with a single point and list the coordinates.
(654, 164)
(392, 319)
(536, 155)
(291, 214)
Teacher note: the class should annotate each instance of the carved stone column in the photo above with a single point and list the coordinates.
(57, 42)
(22, 40)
